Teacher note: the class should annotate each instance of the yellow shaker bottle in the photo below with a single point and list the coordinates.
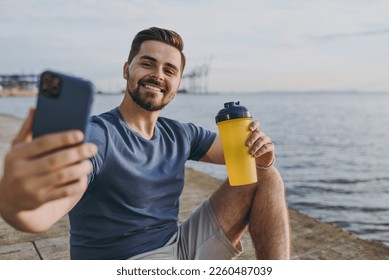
(233, 122)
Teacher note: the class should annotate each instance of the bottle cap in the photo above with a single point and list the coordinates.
(232, 110)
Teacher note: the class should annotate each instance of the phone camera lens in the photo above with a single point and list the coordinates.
(50, 85)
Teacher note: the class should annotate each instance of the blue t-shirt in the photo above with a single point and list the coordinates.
(132, 201)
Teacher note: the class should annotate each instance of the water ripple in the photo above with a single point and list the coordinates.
(345, 181)
(319, 206)
(315, 188)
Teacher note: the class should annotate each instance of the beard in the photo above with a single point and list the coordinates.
(144, 102)
(147, 100)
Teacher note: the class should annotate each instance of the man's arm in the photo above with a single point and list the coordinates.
(215, 152)
(43, 178)
(260, 145)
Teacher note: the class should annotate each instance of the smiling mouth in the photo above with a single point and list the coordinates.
(153, 88)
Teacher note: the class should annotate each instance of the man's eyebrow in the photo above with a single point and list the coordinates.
(172, 66)
(147, 57)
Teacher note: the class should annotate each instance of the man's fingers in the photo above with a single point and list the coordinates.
(60, 159)
(255, 125)
(54, 161)
(48, 143)
(33, 191)
(71, 189)
(257, 134)
(262, 143)
(63, 176)
(264, 150)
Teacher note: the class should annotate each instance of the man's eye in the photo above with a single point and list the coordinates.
(170, 72)
(146, 64)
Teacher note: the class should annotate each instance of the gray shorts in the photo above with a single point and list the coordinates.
(199, 237)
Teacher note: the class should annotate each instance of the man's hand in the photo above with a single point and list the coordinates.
(261, 146)
(44, 169)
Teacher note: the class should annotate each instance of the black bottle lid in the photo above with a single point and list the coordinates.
(232, 110)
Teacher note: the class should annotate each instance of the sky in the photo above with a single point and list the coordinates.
(263, 45)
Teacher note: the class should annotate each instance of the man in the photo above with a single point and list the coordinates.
(123, 202)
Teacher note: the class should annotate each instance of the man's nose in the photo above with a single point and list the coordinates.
(158, 74)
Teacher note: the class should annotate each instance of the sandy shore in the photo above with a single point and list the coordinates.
(311, 239)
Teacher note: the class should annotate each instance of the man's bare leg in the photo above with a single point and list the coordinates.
(262, 207)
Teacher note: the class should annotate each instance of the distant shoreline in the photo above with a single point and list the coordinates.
(31, 93)
(11, 92)
(299, 92)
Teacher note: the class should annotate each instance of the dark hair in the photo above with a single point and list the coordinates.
(157, 34)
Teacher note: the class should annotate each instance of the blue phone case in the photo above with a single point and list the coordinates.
(64, 103)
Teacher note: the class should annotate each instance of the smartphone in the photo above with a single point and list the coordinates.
(64, 103)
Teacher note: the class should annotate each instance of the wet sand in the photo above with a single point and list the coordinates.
(311, 239)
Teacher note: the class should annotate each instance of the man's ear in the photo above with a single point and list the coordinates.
(125, 70)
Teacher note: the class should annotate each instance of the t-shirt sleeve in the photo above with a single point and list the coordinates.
(96, 134)
(201, 140)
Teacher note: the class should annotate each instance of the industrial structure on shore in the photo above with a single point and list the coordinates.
(19, 85)
(195, 81)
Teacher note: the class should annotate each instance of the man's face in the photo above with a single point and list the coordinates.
(154, 75)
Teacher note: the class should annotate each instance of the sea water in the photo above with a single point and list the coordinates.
(331, 148)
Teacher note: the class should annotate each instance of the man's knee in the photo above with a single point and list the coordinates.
(270, 180)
